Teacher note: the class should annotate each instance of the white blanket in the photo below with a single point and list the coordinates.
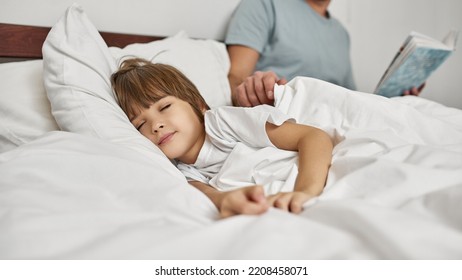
(393, 192)
(382, 145)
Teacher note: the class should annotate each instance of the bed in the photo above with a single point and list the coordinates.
(77, 181)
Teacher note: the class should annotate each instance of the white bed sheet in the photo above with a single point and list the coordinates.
(390, 195)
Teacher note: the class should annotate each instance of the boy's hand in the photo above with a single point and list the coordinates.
(289, 201)
(249, 201)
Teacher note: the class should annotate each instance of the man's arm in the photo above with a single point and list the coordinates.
(248, 88)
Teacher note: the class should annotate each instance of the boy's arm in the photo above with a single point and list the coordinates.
(249, 200)
(314, 147)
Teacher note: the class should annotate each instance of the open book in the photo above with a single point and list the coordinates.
(419, 56)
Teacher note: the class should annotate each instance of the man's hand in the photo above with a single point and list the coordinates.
(249, 89)
(414, 91)
(257, 89)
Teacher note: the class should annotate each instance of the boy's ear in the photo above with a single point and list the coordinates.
(203, 108)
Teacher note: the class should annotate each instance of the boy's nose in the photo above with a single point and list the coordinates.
(158, 127)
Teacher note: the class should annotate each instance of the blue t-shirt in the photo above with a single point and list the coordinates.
(293, 40)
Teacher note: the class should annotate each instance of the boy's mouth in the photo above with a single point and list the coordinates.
(165, 138)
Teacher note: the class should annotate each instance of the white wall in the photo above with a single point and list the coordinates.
(377, 28)
(199, 18)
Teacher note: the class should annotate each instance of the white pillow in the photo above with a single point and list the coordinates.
(25, 112)
(204, 62)
(77, 67)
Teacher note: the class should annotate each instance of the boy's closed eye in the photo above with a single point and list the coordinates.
(162, 108)
(138, 127)
(165, 107)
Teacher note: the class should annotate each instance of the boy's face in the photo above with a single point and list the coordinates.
(172, 125)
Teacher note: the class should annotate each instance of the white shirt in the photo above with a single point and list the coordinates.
(237, 151)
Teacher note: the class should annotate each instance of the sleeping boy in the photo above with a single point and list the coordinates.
(244, 159)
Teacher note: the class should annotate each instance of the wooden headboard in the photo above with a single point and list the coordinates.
(25, 42)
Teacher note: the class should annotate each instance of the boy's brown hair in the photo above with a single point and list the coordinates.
(140, 83)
